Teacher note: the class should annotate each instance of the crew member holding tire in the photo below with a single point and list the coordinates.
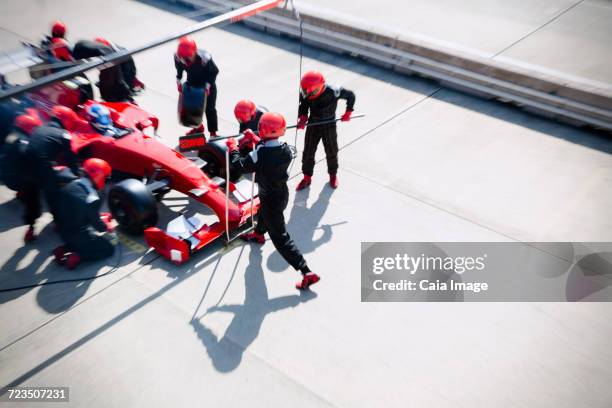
(78, 218)
(201, 74)
(321, 101)
(270, 161)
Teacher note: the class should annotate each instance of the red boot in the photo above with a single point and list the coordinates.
(138, 85)
(304, 183)
(72, 260)
(30, 236)
(199, 129)
(333, 181)
(60, 255)
(307, 280)
(254, 237)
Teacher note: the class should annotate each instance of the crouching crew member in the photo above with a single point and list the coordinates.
(113, 83)
(78, 218)
(201, 73)
(321, 101)
(270, 161)
(56, 47)
(248, 116)
(58, 30)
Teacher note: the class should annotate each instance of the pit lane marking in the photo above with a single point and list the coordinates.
(132, 245)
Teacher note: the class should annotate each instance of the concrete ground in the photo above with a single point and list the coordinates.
(568, 38)
(228, 329)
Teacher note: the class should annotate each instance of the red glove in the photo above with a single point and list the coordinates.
(302, 120)
(250, 139)
(179, 86)
(108, 220)
(231, 144)
(347, 116)
(207, 90)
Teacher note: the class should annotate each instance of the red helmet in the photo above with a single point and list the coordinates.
(244, 110)
(65, 116)
(27, 123)
(186, 50)
(312, 84)
(58, 29)
(102, 40)
(59, 49)
(98, 171)
(272, 125)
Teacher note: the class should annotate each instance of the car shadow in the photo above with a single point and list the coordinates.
(226, 351)
(305, 220)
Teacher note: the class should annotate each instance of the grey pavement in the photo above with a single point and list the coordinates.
(567, 38)
(228, 329)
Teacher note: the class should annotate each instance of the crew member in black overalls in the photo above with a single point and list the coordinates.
(113, 84)
(78, 218)
(270, 161)
(49, 146)
(15, 173)
(201, 73)
(248, 116)
(321, 101)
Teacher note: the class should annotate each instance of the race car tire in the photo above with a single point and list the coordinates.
(133, 206)
(214, 156)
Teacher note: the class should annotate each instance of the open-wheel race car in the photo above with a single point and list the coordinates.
(148, 168)
(151, 170)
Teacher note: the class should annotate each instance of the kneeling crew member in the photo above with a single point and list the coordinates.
(201, 73)
(78, 218)
(321, 101)
(270, 161)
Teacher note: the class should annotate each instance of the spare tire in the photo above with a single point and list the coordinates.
(133, 206)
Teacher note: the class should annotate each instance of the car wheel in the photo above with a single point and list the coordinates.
(214, 167)
(133, 206)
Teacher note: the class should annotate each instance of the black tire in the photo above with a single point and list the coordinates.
(133, 206)
(215, 163)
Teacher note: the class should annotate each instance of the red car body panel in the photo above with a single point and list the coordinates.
(142, 155)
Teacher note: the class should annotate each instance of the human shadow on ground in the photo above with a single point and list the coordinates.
(226, 351)
(58, 289)
(14, 215)
(305, 220)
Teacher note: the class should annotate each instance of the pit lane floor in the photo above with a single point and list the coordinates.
(228, 329)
